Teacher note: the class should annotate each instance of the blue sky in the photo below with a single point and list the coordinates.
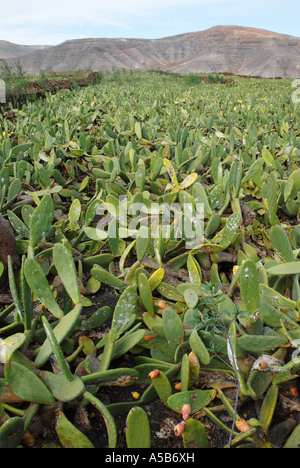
(34, 22)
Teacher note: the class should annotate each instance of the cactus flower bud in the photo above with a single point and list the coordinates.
(154, 374)
(242, 425)
(161, 304)
(148, 337)
(178, 430)
(185, 410)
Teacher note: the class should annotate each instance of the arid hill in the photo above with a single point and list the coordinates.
(231, 49)
(9, 50)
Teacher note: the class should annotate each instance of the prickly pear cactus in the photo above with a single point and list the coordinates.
(137, 429)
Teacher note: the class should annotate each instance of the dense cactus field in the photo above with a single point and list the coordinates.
(150, 285)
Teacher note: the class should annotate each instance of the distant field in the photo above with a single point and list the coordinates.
(204, 296)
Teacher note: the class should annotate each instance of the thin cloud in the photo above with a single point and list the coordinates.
(77, 12)
(56, 21)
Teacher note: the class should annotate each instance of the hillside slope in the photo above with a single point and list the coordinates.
(9, 50)
(233, 49)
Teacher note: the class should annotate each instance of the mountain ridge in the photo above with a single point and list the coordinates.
(221, 49)
(10, 50)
